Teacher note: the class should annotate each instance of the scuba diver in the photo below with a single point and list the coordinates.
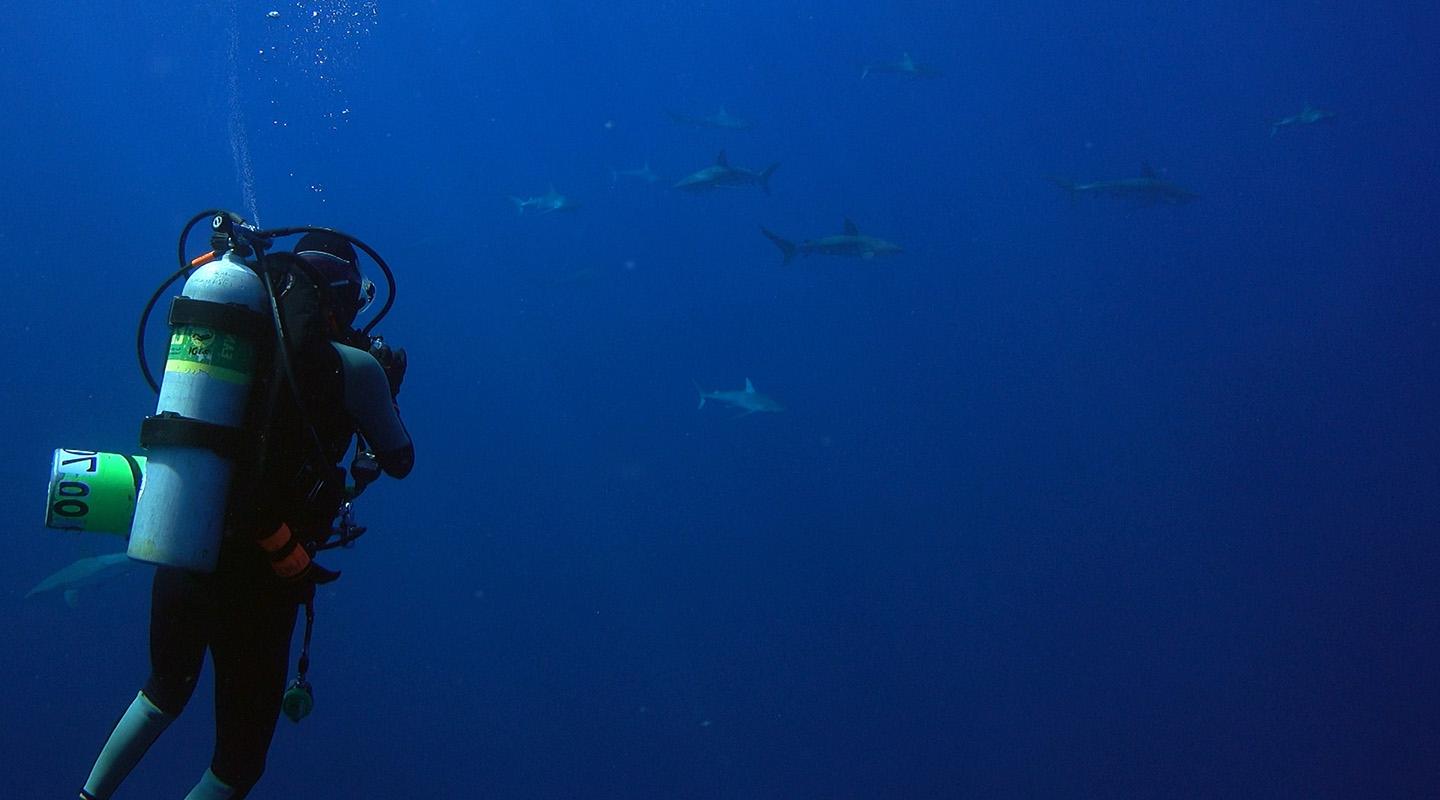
(318, 384)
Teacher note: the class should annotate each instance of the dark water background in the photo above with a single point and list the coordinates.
(1095, 499)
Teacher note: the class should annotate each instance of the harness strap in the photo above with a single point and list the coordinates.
(229, 317)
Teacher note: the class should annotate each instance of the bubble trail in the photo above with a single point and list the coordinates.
(239, 139)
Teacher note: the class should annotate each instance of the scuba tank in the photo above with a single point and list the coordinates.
(196, 434)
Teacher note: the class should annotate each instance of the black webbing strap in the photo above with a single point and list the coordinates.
(227, 317)
(169, 428)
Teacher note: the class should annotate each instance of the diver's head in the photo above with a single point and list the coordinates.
(347, 291)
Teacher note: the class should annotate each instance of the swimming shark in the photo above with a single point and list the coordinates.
(906, 66)
(84, 573)
(722, 175)
(642, 173)
(545, 203)
(747, 400)
(1148, 188)
(850, 243)
(721, 119)
(1309, 115)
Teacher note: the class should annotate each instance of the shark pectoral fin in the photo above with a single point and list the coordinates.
(72, 598)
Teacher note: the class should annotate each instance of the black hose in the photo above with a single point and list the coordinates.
(155, 298)
(265, 236)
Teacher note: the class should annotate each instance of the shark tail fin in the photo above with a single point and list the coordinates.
(765, 176)
(787, 248)
(700, 392)
(519, 204)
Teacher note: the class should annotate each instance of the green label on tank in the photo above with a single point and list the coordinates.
(224, 356)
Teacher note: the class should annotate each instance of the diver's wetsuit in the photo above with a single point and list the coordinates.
(245, 616)
(243, 613)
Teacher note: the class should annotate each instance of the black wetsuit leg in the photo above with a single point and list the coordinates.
(245, 617)
(182, 613)
(251, 650)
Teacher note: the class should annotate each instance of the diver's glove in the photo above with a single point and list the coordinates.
(392, 360)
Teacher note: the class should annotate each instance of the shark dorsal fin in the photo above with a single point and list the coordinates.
(749, 387)
(1148, 171)
(722, 160)
(850, 228)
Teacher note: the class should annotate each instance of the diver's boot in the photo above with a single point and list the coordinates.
(138, 728)
(212, 788)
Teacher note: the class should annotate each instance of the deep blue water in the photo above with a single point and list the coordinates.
(1091, 499)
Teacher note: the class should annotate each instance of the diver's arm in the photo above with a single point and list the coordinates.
(367, 398)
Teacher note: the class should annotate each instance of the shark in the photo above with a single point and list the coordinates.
(906, 66)
(1148, 188)
(721, 119)
(747, 400)
(1309, 115)
(722, 175)
(544, 204)
(641, 173)
(850, 243)
(84, 573)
